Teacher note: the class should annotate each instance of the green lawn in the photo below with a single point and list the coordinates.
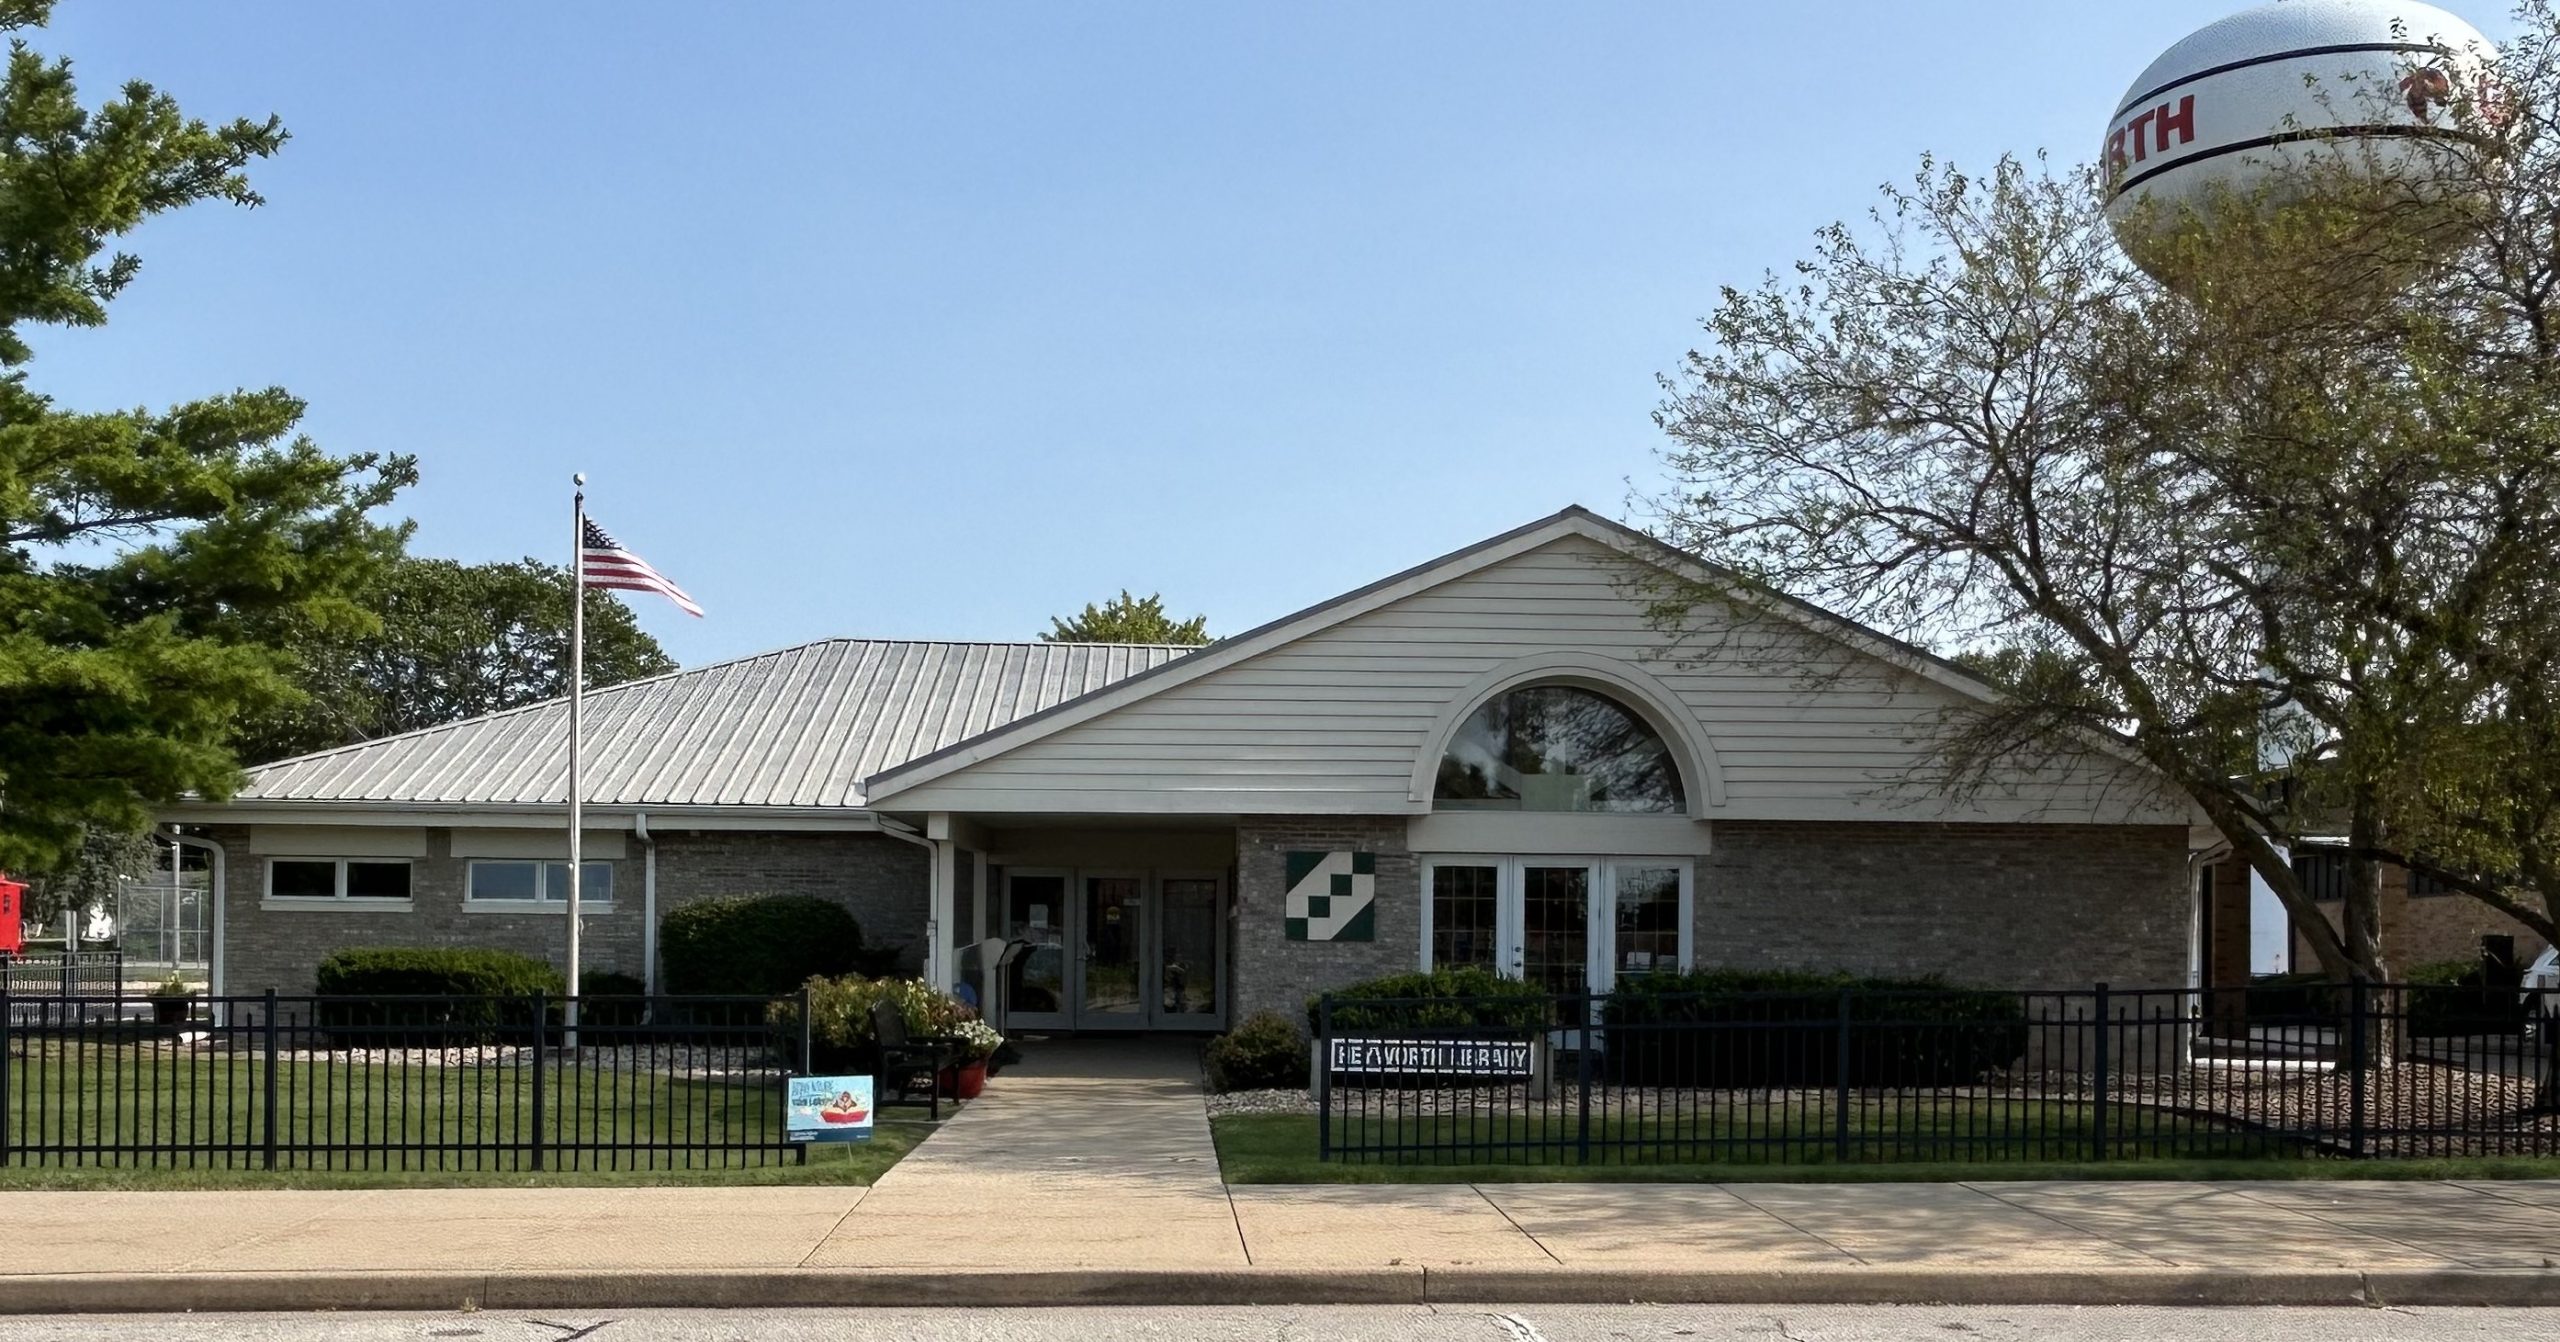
(1282, 1149)
(153, 1102)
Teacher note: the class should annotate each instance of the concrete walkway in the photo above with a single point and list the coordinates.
(1087, 1175)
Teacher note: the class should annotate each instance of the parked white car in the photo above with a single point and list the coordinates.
(2544, 973)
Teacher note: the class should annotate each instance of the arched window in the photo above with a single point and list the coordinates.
(1557, 748)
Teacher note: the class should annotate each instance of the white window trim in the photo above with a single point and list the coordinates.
(341, 901)
(1602, 935)
(474, 904)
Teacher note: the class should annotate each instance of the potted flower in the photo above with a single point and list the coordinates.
(978, 1042)
(172, 1002)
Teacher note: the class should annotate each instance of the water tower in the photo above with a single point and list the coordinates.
(2242, 103)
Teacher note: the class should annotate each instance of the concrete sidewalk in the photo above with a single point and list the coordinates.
(1088, 1177)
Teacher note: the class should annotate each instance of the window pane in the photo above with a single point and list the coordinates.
(1558, 748)
(1462, 916)
(1648, 918)
(302, 880)
(504, 880)
(378, 880)
(595, 888)
(1555, 927)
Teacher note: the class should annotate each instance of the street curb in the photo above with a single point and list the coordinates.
(215, 1292)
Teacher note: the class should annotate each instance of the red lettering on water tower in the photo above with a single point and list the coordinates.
(2182, 120)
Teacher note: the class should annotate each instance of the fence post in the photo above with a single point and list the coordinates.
(2357, 1045)
(2098, 1107)
(267, 1118)
(1323, 1063)
(1840, 1094)
(70, 975)
(808, 1055)
(7, 1010)
(541, 1029)
(1582, 1083)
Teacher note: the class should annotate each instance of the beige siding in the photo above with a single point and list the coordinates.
(1332, 723)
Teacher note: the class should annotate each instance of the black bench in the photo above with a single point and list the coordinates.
(904, 1057)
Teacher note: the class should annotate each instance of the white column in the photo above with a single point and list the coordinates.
(941, 922)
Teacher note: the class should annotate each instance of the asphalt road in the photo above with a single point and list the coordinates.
(1537, 1323)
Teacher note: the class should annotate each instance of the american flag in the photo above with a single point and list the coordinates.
(604, 563)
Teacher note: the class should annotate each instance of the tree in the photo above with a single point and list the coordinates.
(142, 551)
(2280, 523)
(453, 641)
(1128, 619)
(90, 877)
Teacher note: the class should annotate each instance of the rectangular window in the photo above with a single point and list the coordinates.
(1649, 919)
(498, 881)
(2323, 872)
(1462, 914)
(2428, 885)
(364, 878)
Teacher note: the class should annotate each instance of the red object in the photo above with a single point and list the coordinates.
(964, 1082)
(606, 564)
(13, 933)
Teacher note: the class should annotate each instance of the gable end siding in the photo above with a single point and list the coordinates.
(1333, 723)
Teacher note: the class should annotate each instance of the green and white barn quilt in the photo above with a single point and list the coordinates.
(1332, 897)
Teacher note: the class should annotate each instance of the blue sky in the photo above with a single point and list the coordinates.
(935, 320)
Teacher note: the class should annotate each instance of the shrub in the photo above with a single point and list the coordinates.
(2456, 997)
(624, 1007)
(475, 981)
(1781, 1028)
(1462, 998)
(757, 944)
(1266, 1052)
(841, 1037)
(394, 971)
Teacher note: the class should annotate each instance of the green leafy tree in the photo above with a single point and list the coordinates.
(453, 641)
(143, 552)
(2279, 517)
(1128, 619)
(89, 878)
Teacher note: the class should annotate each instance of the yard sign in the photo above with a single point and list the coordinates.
(1332, 897)
(829, 1109)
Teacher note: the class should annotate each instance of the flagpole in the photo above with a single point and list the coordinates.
(577, 703)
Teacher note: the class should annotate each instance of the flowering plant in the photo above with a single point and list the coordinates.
(978, 1040)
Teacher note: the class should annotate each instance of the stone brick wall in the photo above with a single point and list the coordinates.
(1272, 973)
(2009, 906)
(881, 881)
(279, 948)
(2428, 929)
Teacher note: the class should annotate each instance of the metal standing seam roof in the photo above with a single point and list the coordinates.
(803, 726)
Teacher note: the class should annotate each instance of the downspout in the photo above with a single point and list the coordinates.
(934, 854)
(648, 903)
(2199, 952)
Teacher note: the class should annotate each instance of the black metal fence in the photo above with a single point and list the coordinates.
(396, 1083)
(62, 973)
(1859, 1076)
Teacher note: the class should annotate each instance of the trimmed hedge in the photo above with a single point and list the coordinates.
(758, 944)
(469, 975)
(1266, 1052)
(1461, 998)
(2456, 997)
(1781, 1028)
(393, 971)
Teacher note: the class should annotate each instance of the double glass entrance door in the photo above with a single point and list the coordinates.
(1117, 950)
(1569, 925)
